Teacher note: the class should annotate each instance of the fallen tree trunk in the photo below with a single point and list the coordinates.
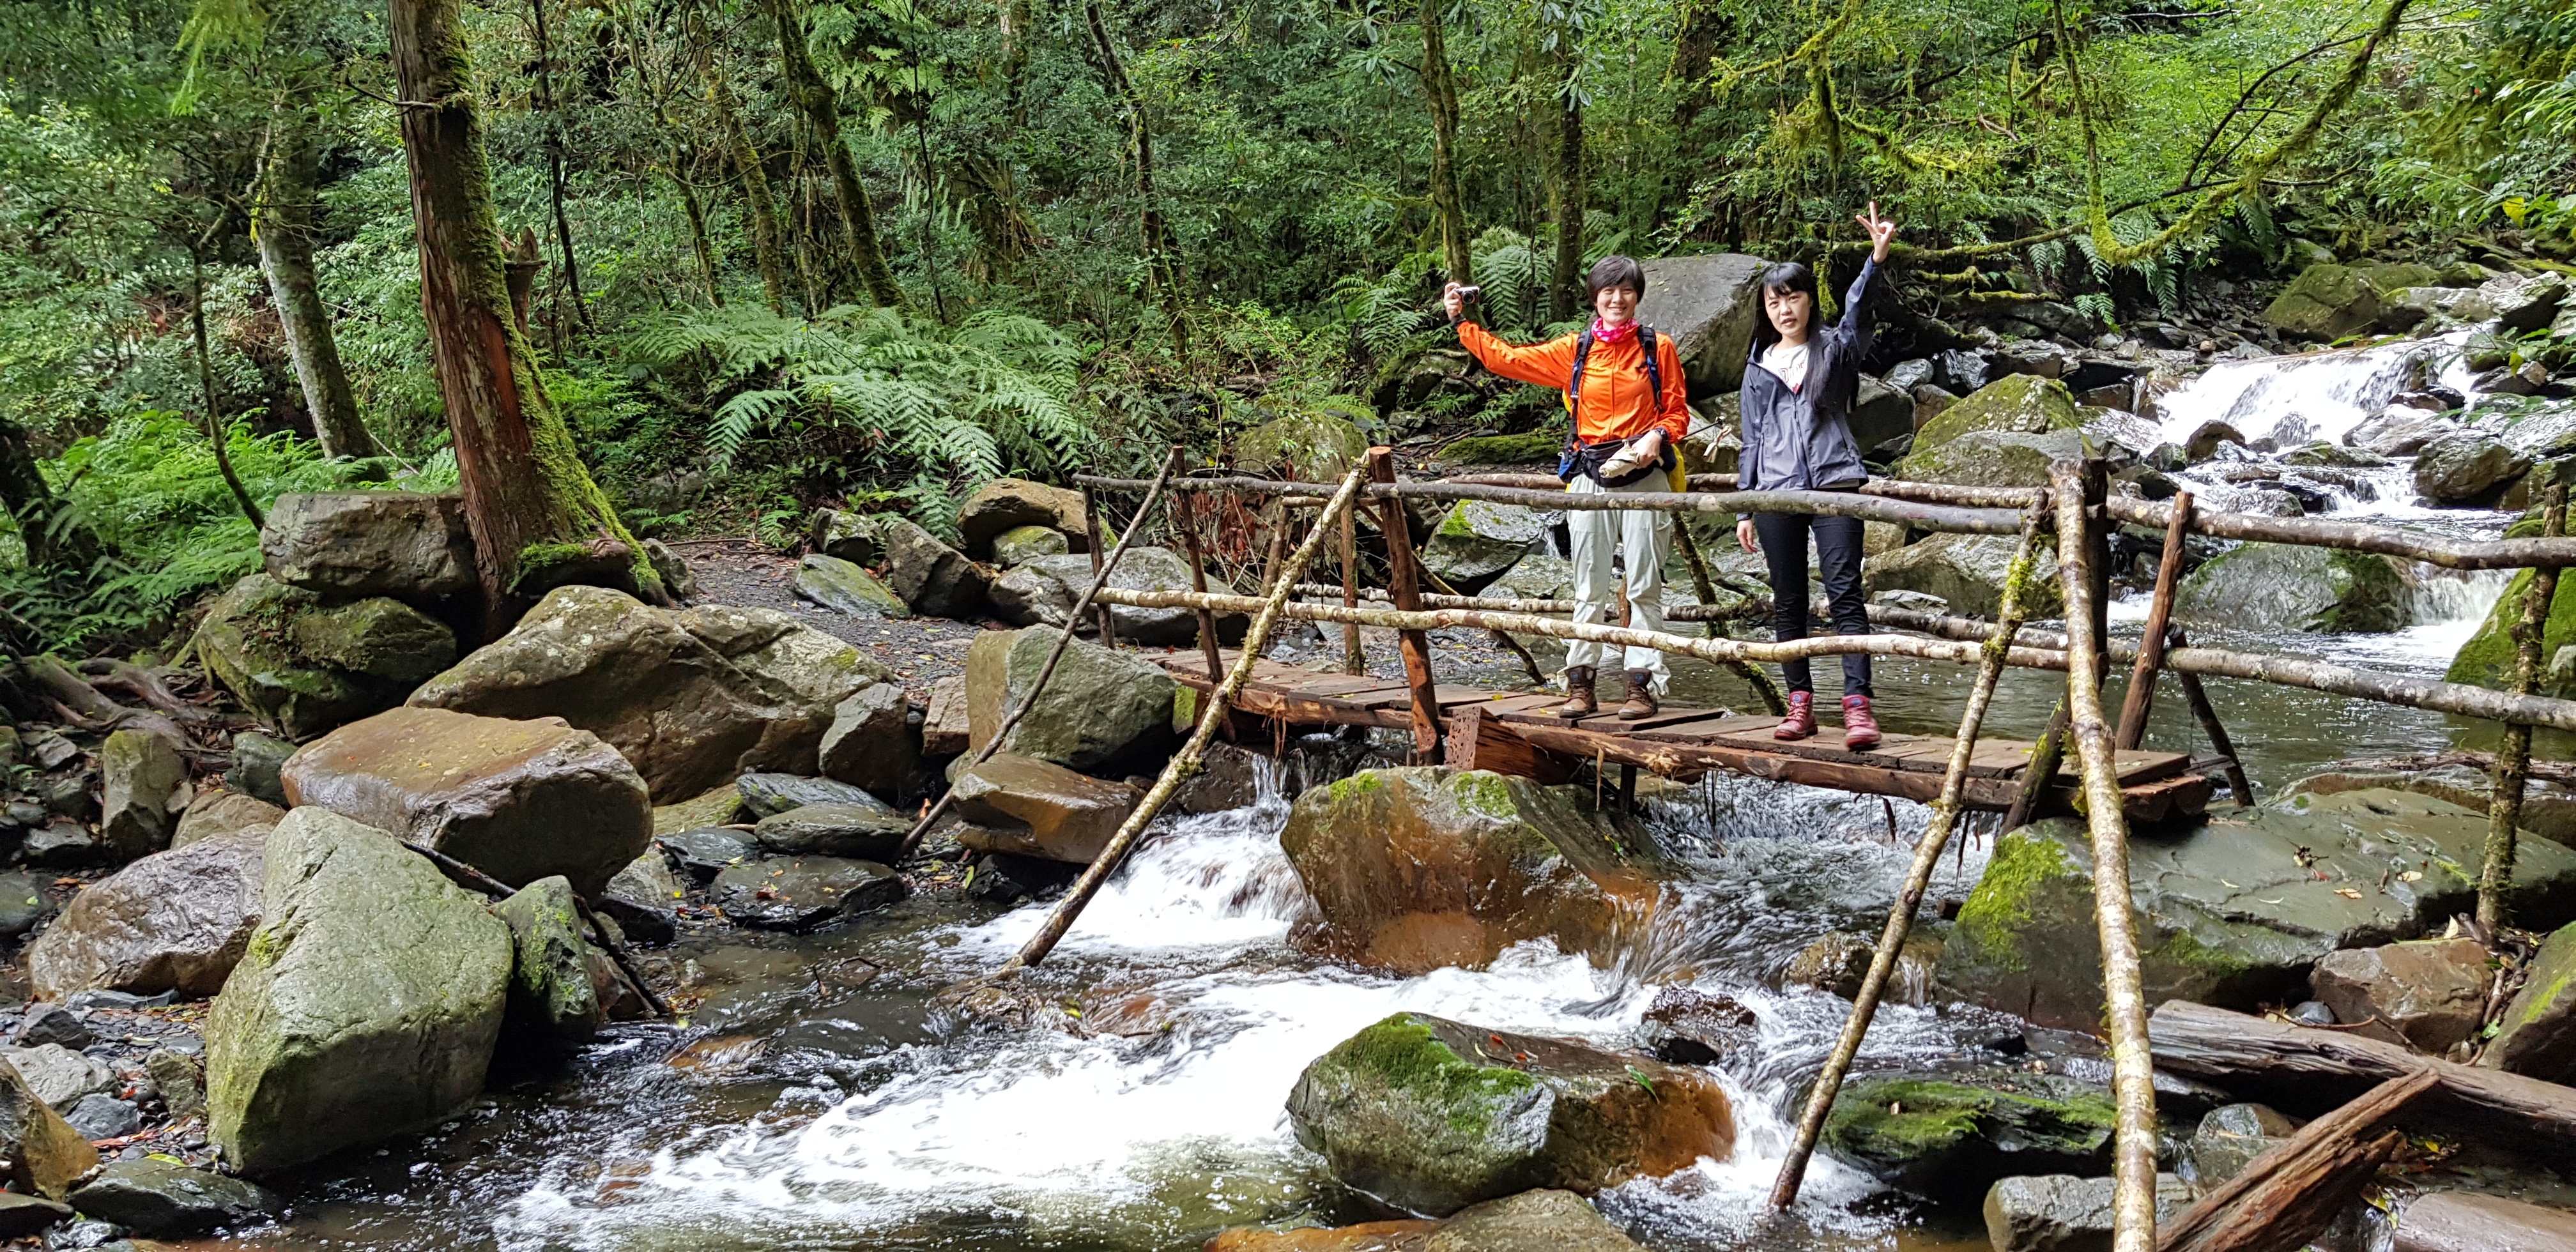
(2304, 1069)
(2289, 1195)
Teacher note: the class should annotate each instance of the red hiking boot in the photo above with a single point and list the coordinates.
(1801, 721)
(1860, 727)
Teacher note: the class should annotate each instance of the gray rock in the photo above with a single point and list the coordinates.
(2399, 430)
(217, 814)
(1707, 305)
(850, 537)
(143, 786)
(103, 1116)
(933, 578)
(59, 1076)
(643, 899)
(1042, 591)
(62, 842)
(179, 1079)
(305, 665)
(1477, 540)
(842, 587)
(1001, 878)
(1690, 1027)
(1098, 708)
(22, 1216)
(2330, 301)
(1961, 371)
(765, 795)
(1006, 504)
(2287, 587)
(1534, 578)
(23, 902)
(1318, 446)
(353, 544)
(691, 697)
(1836, 964)
(867, 831)
(366, 1007)
(173, 921)
(52, 1023)
(2430, 994)
(801, 893)
(1029, 807)
(256, 760)
(1991, 458)
(1022, 544)
(677, 578)
(1879, 413)
(2459, 1221)
(551, 1001)
(2467, 469)
(1540, 1220)
(2063, 1213)
(870, 743)
(163, 1199)
(2536, 1035)
(1966, 571)
(2231, 1136)
(708, 851)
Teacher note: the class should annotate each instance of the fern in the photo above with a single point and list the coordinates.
(2098, 306)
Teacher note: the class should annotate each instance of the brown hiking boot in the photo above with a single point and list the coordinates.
(1641, 697)
(1801, 720)
(1860, 726)
(1579, 699)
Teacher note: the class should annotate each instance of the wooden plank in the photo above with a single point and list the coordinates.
(1479, 741)
(2183, 795)
(1709, 728)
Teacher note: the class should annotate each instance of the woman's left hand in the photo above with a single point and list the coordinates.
(1881, 231)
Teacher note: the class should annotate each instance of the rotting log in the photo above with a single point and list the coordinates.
(1927, 857)
(2288, 1196)
(2075, 486)
(2140, 699)
(1404, 587)
(2513, 756)
(2304, 1070)
(1101, 569)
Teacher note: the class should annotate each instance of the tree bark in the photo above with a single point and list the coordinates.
(2513, 756)
(758, 205)
(537, 518)
(1565, 203)
(1441, 89)
(285, 229)
(822, 109)
(2289, 1195)
(555, 162)
(1162, 254)
(216, 435)
(32, 506)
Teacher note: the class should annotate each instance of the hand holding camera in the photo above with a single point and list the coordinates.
(1456, 298)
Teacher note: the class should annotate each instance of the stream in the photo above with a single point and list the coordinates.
(817, 1100)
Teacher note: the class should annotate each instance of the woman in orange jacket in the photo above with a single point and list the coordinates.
(1630, 412)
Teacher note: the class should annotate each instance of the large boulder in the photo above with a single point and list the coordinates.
(1028, 807)
(838, 585)
(1992, 458)
(1540, 1220)
(1952, 1134)
(1706, 305)
(1416, 868)
(800, 893)
(2548, 806)
(691, 696)
(871, 743)
(1042, 591)
(215, 814)
(173, 921)
(551, 1000)
(2537, 1033)
(851, 537)
(143, 786)
(45, 1155)
(2487, 659)
(870, 830)
(516, 800)
(935, 579)
(1430, 1115)
(1313, 446)
(1022, 544)
(2016, 404)
(2288, 587)
(1009, 503)
(2233, 913)
(2330, 301)
(353, 544)
(1100, 707)
(2430, 994)
(2064, 1213)
(2467, 469)
(1969, 571)
(1478, 540)
(306, 666)
(365, 1007)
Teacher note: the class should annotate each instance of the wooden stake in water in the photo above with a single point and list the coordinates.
(2513, 757)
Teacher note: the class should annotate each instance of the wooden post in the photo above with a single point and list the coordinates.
(2141, 696)
(1091, 524)
(1404, 587)
(2513, 757)
(1187, 509)
(1927, 855)
(2038, 776)
(1352, 661)
(1701, 583)
(2206, 714)
(2078, 489)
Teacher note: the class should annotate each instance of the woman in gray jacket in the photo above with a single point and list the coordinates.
(1799, 380)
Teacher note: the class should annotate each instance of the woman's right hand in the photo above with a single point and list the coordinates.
(1744, 535)
(1452, 300)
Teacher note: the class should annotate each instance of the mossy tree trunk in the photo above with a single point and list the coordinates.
(1446, 202)
(822, 109)
(767, 249)
(1566, 204)
(537, 518)
(285, 230)
(1162, 252)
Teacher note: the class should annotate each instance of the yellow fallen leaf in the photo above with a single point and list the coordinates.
(2348, 893)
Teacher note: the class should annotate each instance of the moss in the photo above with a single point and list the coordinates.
(2016, 403)
(1401, 1052)
(1537, 446)
(2217, 964)
(2487, 659)
(1348, 790)
(1931, 1117)
(1996, 912)
(1453, 524)
(1485, 793)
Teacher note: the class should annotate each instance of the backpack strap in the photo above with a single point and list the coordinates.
(1574, 385)
(1654, 367)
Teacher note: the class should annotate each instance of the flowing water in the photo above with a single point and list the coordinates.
(820, 1101)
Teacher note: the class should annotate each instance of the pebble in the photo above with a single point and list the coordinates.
(104, 1117)
(52, 1023)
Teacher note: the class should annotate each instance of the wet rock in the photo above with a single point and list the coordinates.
(173, 921)
(45, 1155)
(1392, 1236)
(946, 727)
(870, 743)
(1041, 592)
(23, 1216)
(1100, 707)
(256, 760)
(842, 587)
(1022, 544)
(1687, 1027)
(2430, 993)
(1318, 446)
(2461, 1221)
(1835, 964)
(366, 1006)
(2231, 1136)
(1540, 1220)
(143, 786)
(1534, 578)
(706, 852)
(1987, 458)
(1955, 1133)
(2205, 439)
(306, 666)
(2312, 1013)
(2487, 659)
(2287, 587)
(643, 899)
(1967, 572)
(103, 1116)
(163, 1199)
(1706, 305)
(850, 537)
(516, 800)
(1478, 540)
(179, 1080)
(1005, 504)
(692, 697)
(716, 808)
(1415, 868)
(933, 578)
(52, 1023)
(2467, 469)
(1431, 1116)
(62, 842)
(2064, 1213)
(766, 795)
(551, 1002)
(2022, 404)
(677, 578)
(220, 814)
(2399, 431)
(2233, 913)
(869, 831)
(59, 1076)
(2329, 301)
(352, 544)
(1028, 807)
(2536, 1036)
(23, 903)
(801, 893)
(1006, 879)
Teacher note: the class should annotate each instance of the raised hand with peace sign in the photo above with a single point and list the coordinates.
(1881, 231)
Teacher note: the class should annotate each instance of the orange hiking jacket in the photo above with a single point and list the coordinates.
(1617, 403)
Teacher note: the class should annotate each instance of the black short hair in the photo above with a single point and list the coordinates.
(1616, 271)
(1789, 276)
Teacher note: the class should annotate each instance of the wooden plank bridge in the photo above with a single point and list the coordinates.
(1515, 733)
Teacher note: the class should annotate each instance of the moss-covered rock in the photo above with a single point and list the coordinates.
(306, 666)
(1969, 571)
(2330, 301)
(1022, 544)
(2487, 659)
(1008, 503)
(843, 587)
(1430, 1115)
(1952, 1135)
(1538, 447)
(2234, 912)
(551, 1000)
(2286, 587)
(1989, 458)
(1099, 707)
(1478, 540)
(2537, 1034)
(1317, 446)
(2020, 404)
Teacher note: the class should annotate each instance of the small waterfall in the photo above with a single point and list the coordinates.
(2294, 400)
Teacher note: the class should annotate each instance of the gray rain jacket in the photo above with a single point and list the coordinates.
(1801, 440)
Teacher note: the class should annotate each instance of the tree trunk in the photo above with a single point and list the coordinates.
(766, 248)
(555, 161)
(822, 109)
(1565, 203)
(1446, 202)
(1162, 262)
(537, 518)
(32, 506)
(699, 244)
(285, 230)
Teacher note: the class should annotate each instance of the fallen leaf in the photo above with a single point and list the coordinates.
(2347, 893)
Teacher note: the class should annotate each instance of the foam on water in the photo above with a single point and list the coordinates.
(2318, 395)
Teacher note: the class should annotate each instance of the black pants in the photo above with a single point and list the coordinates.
(1783, 537)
